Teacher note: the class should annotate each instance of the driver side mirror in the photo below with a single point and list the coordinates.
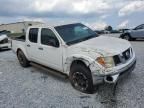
(53, 42)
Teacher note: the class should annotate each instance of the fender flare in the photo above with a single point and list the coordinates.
(89, 62)
(23, 50)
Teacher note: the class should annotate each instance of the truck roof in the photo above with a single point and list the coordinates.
(53, 24)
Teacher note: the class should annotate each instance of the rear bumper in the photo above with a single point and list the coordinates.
(121, 72)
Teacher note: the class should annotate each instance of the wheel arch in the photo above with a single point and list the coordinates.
(18, 50)
(70, 61)
(21, 49)
(77, 62)
(122, 36)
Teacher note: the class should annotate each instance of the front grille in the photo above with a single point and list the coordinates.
(117, 60)
(126, 54)
(124, 57)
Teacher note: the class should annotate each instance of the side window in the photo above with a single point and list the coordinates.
(143, 26)
(33, 35)
(139, 27)
(49, 38)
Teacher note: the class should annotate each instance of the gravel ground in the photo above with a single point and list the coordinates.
(35, 88)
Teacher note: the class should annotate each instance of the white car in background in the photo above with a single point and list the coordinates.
(5, 42)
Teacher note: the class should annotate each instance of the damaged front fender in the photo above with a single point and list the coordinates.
(89, 62)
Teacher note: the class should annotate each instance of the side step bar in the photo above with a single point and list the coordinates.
(49, 70)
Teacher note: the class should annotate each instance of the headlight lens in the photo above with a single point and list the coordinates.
(106, 62)
(4, 41)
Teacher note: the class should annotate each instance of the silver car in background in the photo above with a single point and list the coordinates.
(133, 34)
(5, 42)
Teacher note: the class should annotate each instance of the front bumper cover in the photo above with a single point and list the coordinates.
(97, 79)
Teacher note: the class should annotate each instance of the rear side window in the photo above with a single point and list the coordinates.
(140, 27)
(33, 35)
(143, 26)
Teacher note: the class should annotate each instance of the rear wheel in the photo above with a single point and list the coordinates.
(22, 59)
(81, 79)
(127, 37)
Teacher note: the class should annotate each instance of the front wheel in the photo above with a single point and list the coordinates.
(81, 78)
(22, 59)
(133, 39)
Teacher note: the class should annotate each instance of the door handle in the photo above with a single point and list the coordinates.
(28, 45)
(40, 48)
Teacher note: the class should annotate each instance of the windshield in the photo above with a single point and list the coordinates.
(74, 33)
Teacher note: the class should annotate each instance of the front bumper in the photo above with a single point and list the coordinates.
(97, 79)
(6, 45)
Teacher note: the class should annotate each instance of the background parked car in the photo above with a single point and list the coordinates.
(123, 30)
(99, 32)
(5, 42)
(134, 34)
(4, 32)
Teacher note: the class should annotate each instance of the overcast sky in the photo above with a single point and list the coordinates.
(95, 13)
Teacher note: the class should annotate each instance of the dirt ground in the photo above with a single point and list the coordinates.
(35, 88)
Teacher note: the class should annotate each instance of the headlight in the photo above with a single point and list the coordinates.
(106, 62)
(4, 41)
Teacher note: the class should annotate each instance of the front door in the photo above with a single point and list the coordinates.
(50, 50)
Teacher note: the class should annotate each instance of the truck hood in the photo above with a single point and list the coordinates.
(106, 46)
(2, 37)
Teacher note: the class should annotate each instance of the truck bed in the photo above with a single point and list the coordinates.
(18, 42)
(19, 38)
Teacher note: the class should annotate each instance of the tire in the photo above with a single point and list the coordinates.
(127, 37)
(22, 59)
(133, 39)
(81, 78)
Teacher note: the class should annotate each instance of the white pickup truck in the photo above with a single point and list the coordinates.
(78, 52)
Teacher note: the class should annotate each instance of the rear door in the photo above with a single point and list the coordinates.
(32, 44)
(138, 32)
(142, 31)
(50, 49)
